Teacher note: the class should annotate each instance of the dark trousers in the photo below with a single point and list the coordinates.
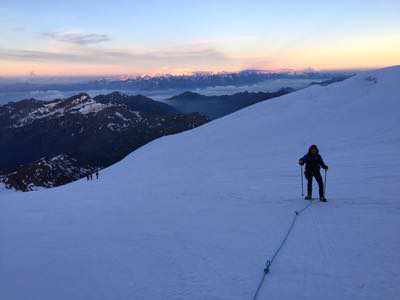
(317, 175)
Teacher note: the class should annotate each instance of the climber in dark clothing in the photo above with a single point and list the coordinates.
(314, 162)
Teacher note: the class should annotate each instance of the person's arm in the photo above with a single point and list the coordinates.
(303, 160)
(322, 163)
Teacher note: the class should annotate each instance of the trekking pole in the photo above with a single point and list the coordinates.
(325, 183)
(302, 185)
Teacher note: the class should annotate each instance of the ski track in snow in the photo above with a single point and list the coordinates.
(195, 215)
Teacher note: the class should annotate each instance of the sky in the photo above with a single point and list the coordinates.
(104, 37)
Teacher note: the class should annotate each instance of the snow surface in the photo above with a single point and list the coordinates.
(3, 189)
(91, 107)
(195, 215)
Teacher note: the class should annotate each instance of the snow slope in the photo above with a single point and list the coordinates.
(195, 215)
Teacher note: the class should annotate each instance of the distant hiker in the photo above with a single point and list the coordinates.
(97, 174)
(314, 162)
(91, 175)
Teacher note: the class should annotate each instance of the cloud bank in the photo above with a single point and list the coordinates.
(176, 58)
(81, 39)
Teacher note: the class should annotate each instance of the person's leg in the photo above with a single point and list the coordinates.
(309, 184)
(320, 182)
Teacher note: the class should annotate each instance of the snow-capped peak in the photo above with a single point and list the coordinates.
(82, 104)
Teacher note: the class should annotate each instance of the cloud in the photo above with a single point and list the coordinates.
(81, 39)
(151, 59)
(33, 55)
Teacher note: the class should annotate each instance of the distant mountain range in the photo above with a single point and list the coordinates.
(181, 82)
(219, 106)
(52, 143)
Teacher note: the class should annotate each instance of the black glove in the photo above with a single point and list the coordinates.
(301, 162)
(326, 168)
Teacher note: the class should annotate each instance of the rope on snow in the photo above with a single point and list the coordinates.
(269, 262)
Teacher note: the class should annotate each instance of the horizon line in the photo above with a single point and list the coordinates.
(189, 73)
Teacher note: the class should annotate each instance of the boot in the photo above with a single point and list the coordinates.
(323, 199)
(308, 197)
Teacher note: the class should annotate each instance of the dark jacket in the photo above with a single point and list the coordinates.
(313, 162)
